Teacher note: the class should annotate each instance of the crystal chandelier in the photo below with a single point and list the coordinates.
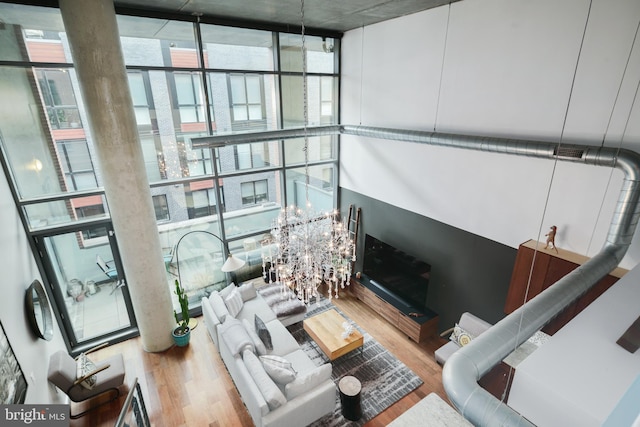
(306, 249)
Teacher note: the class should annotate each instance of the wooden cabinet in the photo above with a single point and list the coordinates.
(548, 268)
(416, 328)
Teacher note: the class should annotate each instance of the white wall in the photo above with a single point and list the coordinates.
(19, 270)
(502, 68)
(559, 384)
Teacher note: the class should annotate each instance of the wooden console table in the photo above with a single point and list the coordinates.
(416, 328)
(550, 267)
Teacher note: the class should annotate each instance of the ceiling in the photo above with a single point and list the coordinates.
(333, 15)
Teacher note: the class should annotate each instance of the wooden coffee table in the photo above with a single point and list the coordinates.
(326, 330)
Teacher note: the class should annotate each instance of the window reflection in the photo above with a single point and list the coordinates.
(59, 98)
(51, 150)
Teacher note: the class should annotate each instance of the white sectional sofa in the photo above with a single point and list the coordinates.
(280, 387)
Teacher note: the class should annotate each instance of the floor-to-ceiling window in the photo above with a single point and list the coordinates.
(184, 84)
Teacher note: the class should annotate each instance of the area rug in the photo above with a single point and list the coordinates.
(384, 379)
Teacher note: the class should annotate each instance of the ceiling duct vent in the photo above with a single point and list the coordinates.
(569, 152)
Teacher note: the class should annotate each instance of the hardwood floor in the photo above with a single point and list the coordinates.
(190, 386)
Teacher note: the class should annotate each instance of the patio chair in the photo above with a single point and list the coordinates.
(110, 272)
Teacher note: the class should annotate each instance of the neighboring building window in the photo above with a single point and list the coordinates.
(204, 203)
(90, 211)
(94, 233)
(250, 156)
(254, 192)
(153, 159)
(161, 207)
(59, 99)
(200, 163)
(141, 103)
(247, 100)
(327, 178)
(77, 165)
(326, 96)
(190, 99)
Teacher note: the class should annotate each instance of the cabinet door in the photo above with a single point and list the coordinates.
(547, 269)
(557, 268)
(522, 269)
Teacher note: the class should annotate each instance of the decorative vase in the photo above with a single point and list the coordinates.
(181, 339)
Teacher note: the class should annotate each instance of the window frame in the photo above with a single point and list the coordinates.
(247, 104)
(68, 171)
(162, 206)
(55, 111)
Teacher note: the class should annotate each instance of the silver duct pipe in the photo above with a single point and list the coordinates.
(465, 367)
(269, 135)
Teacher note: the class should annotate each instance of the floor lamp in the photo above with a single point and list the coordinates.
(231, 264)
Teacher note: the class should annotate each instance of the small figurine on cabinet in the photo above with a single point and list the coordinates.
(551, 238)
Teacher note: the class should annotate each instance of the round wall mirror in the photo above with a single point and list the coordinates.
(39, 311)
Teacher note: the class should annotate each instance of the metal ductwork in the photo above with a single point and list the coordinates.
(269, 135)
(465, 367)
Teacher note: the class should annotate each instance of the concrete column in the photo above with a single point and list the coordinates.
(95, 45)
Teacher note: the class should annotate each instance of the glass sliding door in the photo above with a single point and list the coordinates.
(88, 282)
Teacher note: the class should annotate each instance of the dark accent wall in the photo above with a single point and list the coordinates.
(468, 272)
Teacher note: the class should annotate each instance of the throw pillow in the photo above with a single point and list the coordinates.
(460, 336)
(234, 302)
(248, 291)
(269, 390)
(308, 381)
(279, 369)
(84, 365)
(257, 342)
(224, 292)
(263, 332)
(219, 307)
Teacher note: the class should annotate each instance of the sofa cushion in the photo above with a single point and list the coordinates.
(281, 339)
(300, 361)
(257, 342)
(263, 332)
(307, 381)
(218, 305)
(278, 368)
(269, 390)
(248, 291)
(235, 336)
(256, 306)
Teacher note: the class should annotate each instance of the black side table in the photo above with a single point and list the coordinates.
(350, 388)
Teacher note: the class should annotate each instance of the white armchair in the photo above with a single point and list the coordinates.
(469, 327)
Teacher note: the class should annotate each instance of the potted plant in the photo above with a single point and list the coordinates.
(181, 333)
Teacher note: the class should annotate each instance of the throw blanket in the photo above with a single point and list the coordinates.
(282, 301)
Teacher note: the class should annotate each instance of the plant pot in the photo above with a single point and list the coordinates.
(179, 338)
